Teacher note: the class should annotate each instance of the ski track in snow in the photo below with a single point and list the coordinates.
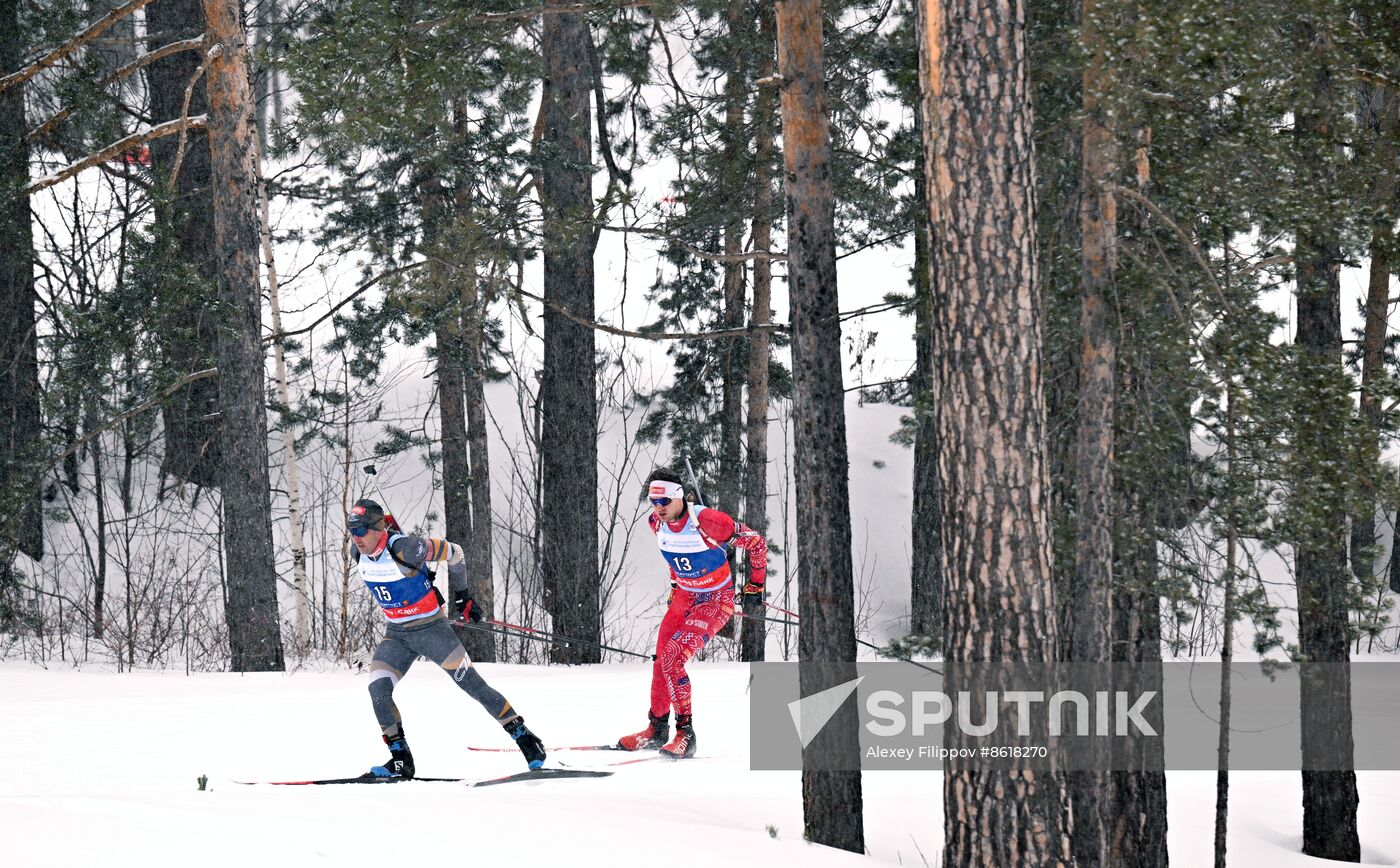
(102, 770)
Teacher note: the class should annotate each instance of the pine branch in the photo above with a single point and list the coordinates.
(1185, 239)
(83, 38)
(134, 411)
(169, 128)
(144, 60)
(719, 334)
(527, 14)
(770, 255)
(359, 291)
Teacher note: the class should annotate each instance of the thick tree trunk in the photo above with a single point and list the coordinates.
(253, 622)
(1089, 610)
(1329, 797)
(999, 591)
(754, 634)
(187, 330)
(568, 399)
(926, 548)
(831, 800)
(20, 430)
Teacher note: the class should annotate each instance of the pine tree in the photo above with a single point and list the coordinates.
(19, 387)
(568, 384)
(253, 622)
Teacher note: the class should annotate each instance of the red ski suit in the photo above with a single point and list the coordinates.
(695, 616)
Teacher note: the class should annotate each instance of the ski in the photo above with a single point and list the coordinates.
(627, 762)
(563, 747)
(533, 775)
(363, 780)
(539, 774)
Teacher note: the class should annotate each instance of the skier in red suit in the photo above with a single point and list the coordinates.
(694, 541)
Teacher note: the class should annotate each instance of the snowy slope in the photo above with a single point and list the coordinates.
(101, 769)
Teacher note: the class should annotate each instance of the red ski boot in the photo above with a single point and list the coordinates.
(654, 736)
(683, 745)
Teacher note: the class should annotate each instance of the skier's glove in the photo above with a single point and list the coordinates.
(465, 606)
(753, 591)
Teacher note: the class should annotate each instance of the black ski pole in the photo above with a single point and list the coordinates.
(374, 478)
(542, 636)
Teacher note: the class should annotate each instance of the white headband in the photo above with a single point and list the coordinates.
(662, 488)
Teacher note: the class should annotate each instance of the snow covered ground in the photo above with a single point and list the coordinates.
(101, 769)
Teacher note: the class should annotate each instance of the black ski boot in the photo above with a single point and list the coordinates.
(400, 764)
(527, 741)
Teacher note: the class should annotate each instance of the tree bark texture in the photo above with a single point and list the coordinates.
(568, 398)
(253, 622)
(1329, 797)
(999, 592)
(831, 800)
(19, 367)
(754, 630)
(926, 547)
(187, 332)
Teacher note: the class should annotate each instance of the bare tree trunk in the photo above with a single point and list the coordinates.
(732, 370)
(1383, 201)
(301, 600)
(831, 800)
(1138, 818)
(568, 385)
(253, 622)
(19, 367)
(187, 330)
(1329, 797)
(1089, 614)
(480, 568)
(999, 590)
(926, 551)
(752, 639)
(1227, 643)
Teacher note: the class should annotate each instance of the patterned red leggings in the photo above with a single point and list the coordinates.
(690, 622)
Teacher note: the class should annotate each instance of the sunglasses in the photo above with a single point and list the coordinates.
(660, 501)
(359, 531)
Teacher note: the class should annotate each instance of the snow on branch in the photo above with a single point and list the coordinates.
(169, 128)
(527, 14)
(92, 32)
